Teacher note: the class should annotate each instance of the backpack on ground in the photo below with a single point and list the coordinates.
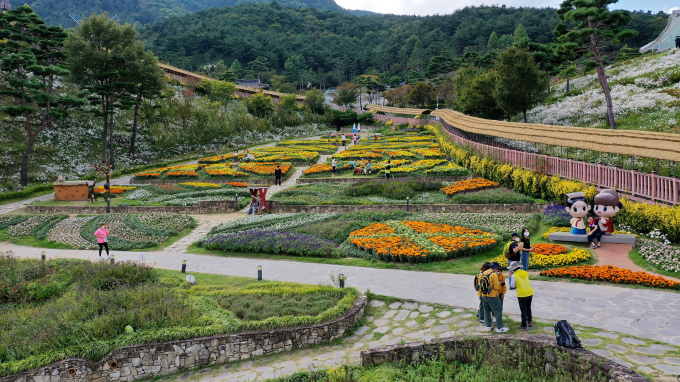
(565, 335)
(507, 252)
(484, 284)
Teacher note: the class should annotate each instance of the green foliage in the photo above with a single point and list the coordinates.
(395, 189)
(25, 193)
(267, 305)
(44, 228)
(346, 94)
(420, 94)
(474, 88)
(259, 105)
(217, 90)
(314, 101)
(493, 195)
(493, 43)
(289, 102)
(520, 84)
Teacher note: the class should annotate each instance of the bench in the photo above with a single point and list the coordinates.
(613, 238)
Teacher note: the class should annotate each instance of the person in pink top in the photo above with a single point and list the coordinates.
(102, 233)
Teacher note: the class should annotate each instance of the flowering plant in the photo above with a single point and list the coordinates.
(113, 189)
(469, 185)
(201, 184)
(612, 274)
(546, 261)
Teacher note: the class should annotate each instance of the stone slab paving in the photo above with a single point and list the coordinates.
(460, 322)
(652, 314)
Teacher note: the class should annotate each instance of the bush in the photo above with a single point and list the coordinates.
(25, 193)
(492, 195)
(394, 188)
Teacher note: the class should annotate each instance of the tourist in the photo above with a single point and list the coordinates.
(254, 205)
(526, 248)
(353, 164)
(491, 301)
(515, 255)
(235, 155)
(677, 42)
(595, 234)
(524, 295)
(277, 175)
(388, 169)
(354, 128)
(501, 280)
(359, 128)
(368, 166)
(375, 137)
(354, 137)
(344, 139)
(480, 312)
(333, 164)
(102, 239)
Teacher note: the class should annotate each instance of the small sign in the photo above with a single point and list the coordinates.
(191, 279)
(142, 258)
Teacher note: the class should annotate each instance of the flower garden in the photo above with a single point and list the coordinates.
(66, 308)
(612, 274)
(127, 231)
(255, 170)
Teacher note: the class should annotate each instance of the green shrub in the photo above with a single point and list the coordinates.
(25, 193)
(498, 195)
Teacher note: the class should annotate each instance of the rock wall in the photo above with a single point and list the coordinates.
(204, 207)
(150, 360)
(359, 179)
(523, 208)
(541, 351)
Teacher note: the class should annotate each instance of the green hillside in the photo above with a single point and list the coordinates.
(147, 12)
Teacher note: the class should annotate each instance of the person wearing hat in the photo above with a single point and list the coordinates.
(480, 313)
(491, 301)
(516, 249)
(277, 175)
(524, 294)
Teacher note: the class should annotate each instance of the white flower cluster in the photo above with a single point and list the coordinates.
(504, 222)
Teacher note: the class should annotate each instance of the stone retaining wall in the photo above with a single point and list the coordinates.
(150, 360)
(215, 181)
(491, 208)
(360, 178)
(538, 350)
(203, 207)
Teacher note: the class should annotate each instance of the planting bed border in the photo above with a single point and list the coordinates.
(361, 178)
(269, 182)
(277, 208)
(579, 364)
(203, 207)
(150, 360)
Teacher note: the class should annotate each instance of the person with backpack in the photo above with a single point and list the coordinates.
(524, 295)
(490, 288)
(480, 311)
(513, 252)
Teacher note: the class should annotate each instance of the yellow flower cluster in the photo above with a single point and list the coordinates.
(546, 261)
(201, 184)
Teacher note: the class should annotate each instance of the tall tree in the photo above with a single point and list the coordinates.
(421, 94)
(493, 43)
(147, 78)
(473, 88)
(520, 34)
(296, 68)
(592, 27)
(346, 94)
(314, 100)
(102, 56)
(259, 105)
(520, 84)
(32, 61)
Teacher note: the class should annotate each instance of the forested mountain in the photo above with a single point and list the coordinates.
(342, 46)
(56, 12)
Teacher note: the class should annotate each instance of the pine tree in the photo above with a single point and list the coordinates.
(494, 43)
(592, 27)
(32, 62)
(520, 84)
(520, 34)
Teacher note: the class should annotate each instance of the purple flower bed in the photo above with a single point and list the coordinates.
(280, 243)
(556, 216)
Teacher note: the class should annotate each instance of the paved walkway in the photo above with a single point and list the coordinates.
(646, 313)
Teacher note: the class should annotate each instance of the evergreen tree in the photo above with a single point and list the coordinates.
(592, 27)
(236, 68)
(520, 34)
(520, 84)
(32, 61)
(296, 69)
(494, 43)
(421, 94)
(102, 54)
(148, 80)
(259, 105)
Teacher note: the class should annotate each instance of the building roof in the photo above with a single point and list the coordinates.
(398, 110)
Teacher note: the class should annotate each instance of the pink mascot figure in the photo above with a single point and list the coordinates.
(607, 205)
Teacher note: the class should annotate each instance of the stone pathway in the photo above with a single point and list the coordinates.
(205, 224)
(652, 314)
(396, 322)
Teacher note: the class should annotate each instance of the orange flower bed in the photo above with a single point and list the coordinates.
(469, 185)
(549, 249)
(612, 274)
(424, 227)
(178, 174)
(264, 168)
(114, 189)
(462, 246)
(373, 229)
(152, 174)
(322, 168)
(217, 158)
(397, 248)
(223, 171)
(237, 184)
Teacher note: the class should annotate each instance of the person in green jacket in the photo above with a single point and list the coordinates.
(524, 294)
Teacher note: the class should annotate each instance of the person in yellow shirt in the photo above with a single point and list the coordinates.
(480, 312)
(491, 289)
(524, 294)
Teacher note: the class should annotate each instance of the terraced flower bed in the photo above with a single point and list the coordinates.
(210, 170)
(612, 274)
(551, 257)
(127, 231)
(67, 308)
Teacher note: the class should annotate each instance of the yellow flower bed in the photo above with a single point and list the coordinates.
(201, 184)
(568, 229)
(546, 261)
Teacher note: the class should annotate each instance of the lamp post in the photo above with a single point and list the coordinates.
(341, 279)
(407, 204)
(259, 273)
(184, 266)
(113, 259)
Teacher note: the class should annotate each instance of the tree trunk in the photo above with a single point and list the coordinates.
(24, 160)
(111, 159)
(602, 77)
(104, 132)
(134, 124)
(524, 112)
(567, 82)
